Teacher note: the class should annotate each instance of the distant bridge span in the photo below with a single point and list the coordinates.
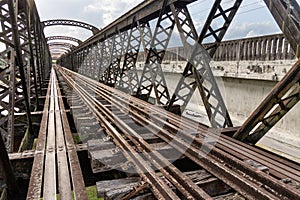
(64, 38)
(68, 22)
(62, 44)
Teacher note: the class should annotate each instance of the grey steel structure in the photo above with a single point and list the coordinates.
(110, 57)
(67, 22)
(65, 38)
(122, 40)
(25, 65)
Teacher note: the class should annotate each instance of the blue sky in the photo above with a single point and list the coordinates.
(253, 18)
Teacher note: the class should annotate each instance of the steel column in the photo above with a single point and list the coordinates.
(9, 177)
(113, 70)
(128, 78)
(152, 77)
(220, 10)
(199, 69)
(106, 49)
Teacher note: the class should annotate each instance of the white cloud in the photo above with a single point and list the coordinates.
(251, 33)
(245, 29)
(101, 13)
(108, 11)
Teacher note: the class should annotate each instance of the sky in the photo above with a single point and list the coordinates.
(252, 19)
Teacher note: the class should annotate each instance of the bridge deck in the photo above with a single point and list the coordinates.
(56, 164)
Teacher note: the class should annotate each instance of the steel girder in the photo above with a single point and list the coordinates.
(72, 39)
(68, 22)
(128, 78)
(62, 44)
(7, 173)
(143, 13)
(287, 15)
(106, 50)
(91, 62)
(219, 10)
(152, 78)
(52, 44)
(84, 60)
(197, 73)
(117, 48)
(57, 52)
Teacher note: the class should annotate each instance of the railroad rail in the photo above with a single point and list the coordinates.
(126, 121)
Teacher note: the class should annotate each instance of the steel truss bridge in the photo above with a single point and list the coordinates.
(131, 121)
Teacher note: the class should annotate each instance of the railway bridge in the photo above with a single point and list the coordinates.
(101, 117)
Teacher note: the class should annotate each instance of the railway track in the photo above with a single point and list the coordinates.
(248, 171)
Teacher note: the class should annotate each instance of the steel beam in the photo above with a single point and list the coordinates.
(66, 38)
(13, 11)
(21, 71)
(197, 73)
(152, 78)
(128, 79)
(220, 10)
(68, 22)
(113, 70)
(285, 95)
(9, 177)
(144, 12)
(106, 49)
(63, 44)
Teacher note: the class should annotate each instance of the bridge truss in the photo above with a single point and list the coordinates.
(100, 56)
(64, 38)
(110, 57)
(25, 65)
(67, 22)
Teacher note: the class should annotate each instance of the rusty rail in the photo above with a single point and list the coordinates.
(226, 165)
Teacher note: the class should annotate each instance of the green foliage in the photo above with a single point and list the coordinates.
(92, 193)
(77, 139)
(2, 63)
(34, 144)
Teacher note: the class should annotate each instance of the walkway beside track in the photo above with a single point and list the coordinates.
(56, 165)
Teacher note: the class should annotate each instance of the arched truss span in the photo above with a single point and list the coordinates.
(56, 49)
(56, 55)
(56, 52)
(63, 38)
(68, 22)
(61, 44)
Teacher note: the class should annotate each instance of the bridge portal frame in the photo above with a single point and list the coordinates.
(67, 22)
(66, 38)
